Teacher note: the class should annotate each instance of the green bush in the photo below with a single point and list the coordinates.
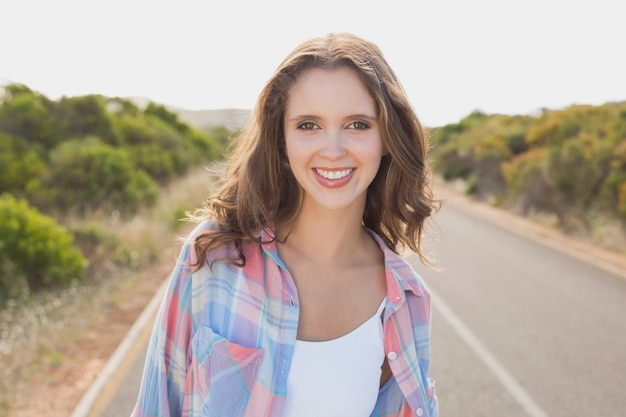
(28, 115)
(89, 175)
(86, 115)
(20, 165)
(579, 167)
(152, 159)
(516, 142)
(621, 202)
(155, 147)
(215, 142)
(614, 186)
(35, 248)
(452, 163)
(206, 147)
(13, 281)
(80, 155)
(170, 118)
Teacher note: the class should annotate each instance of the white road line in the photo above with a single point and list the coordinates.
(520, 395)
(145, 319)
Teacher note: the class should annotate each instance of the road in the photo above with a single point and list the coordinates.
(520, 329)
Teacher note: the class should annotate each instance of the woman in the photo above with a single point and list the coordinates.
(290, 298)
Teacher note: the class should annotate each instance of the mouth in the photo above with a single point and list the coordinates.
(334, 174)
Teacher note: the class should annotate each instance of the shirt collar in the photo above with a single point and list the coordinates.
(399, 274)
(268, 244)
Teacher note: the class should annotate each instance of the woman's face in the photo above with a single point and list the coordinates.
(332, 138)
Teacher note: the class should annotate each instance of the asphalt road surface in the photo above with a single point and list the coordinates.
(520, 329)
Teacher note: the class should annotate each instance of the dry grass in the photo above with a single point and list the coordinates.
(38, 332)
(598, 229)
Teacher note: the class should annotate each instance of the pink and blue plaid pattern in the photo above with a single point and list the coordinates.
(223, 339)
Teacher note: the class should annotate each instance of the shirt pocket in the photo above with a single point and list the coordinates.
(223, 373)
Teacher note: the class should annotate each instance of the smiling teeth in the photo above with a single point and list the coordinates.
(334, 175)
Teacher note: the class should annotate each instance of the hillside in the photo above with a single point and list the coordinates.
(207, 119)
(233, 119)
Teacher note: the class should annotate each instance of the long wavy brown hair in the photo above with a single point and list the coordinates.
(258, 189)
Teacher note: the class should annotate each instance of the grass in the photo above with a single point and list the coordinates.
(594, 227)
(36, 329)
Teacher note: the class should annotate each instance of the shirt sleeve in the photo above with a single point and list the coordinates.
(163, 388)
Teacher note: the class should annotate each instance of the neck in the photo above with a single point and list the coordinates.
(327, 237)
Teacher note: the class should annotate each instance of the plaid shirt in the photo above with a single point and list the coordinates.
(224, 338)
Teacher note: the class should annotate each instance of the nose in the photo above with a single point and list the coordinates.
(333, 145)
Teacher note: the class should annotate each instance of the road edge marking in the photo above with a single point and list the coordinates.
(146, 318)
(520, 395)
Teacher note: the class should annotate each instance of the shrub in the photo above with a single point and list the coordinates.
(206, 147)
(621, 199)
(34, 246)
(452, 162)
(525, 179)
(216, 142)
(170, 118)
(153, 160)
(20, 165)
(28, 115)
(89, 175)
(516, 142)
(155, 147)
(579, 167)
(87, 115)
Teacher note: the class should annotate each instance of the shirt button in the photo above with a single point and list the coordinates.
(419, 412)
(392, 356)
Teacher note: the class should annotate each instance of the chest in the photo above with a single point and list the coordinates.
(334, 301)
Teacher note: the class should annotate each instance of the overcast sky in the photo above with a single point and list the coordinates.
(452, 56)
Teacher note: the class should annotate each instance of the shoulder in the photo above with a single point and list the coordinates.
(228, 249)
(208, 225)
(194, 241)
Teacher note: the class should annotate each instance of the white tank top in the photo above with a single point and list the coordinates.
(338, 377)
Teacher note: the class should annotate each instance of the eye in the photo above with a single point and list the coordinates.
(358, 125)
(307, 126)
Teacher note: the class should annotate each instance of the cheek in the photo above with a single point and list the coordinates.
(373, 150)
(296, 150)
(296, 161)
(290, 152)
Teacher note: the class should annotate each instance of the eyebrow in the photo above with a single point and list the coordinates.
(313, 117)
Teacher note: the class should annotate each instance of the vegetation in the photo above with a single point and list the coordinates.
(92, 190)
(34, 251)
(569, 163)
(67, 161)
(43, 331)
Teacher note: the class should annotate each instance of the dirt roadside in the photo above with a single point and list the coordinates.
(59, 388)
